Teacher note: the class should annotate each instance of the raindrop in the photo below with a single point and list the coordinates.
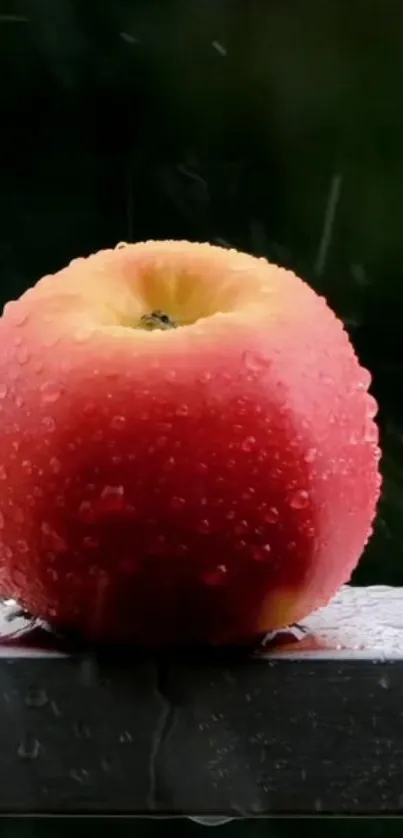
(80, 775)
(300, 499)
(19, 402)
(29, 748)
(202, 468)
(169, 463)
(3, 473)
(3, 391)
(118, 422)
(82, 730)
(50, 392)
(36, 697)
(2, 522)
(182, 410)
(26, 466)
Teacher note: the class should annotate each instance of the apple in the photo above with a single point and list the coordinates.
(188, 449)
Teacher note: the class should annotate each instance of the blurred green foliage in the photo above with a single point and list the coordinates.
(275, 127)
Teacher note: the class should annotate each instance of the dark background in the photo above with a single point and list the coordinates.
(272, 126)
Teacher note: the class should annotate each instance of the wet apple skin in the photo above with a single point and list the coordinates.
(201, 486)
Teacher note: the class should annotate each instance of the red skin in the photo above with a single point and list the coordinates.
(201, 485)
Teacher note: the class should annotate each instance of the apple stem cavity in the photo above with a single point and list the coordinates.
(157, 320)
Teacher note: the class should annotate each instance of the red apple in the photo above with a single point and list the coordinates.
(203, 483)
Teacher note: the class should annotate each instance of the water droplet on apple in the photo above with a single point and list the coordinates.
(18, 515)
(310, 455)
(3, 391)
(118, 422)
(51, 339)
(271, 515)
(50, 392)
(52, 572)
(3, 473)
(254, 361)
(2, 522)
(156, 545)
(216, 576)
(204, 526)
(169, 464)
(248, 493)
(20, 316)
(249, 444)
(171, 375)
(26, 466)
(182, 410)
(52, 538)
(372, 406)
(22, 546)
(205, 377)
(82, 335)
(90, 542)
(365, 381)
(112, 498)
(178, 503)
(19, 401)
(86, 512)
(371, 432)
(300, 499)
(202, 468)
(241, 528)
(38, 367)
(49, 423)
(8, 553)
(55, 465)
(22, 355)
(260, 554)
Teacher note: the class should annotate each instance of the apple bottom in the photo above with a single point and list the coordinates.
(172, 602)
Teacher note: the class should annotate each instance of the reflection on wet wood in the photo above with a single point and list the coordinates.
(309, 722)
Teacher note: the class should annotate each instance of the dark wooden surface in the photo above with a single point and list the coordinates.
(312, 726)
